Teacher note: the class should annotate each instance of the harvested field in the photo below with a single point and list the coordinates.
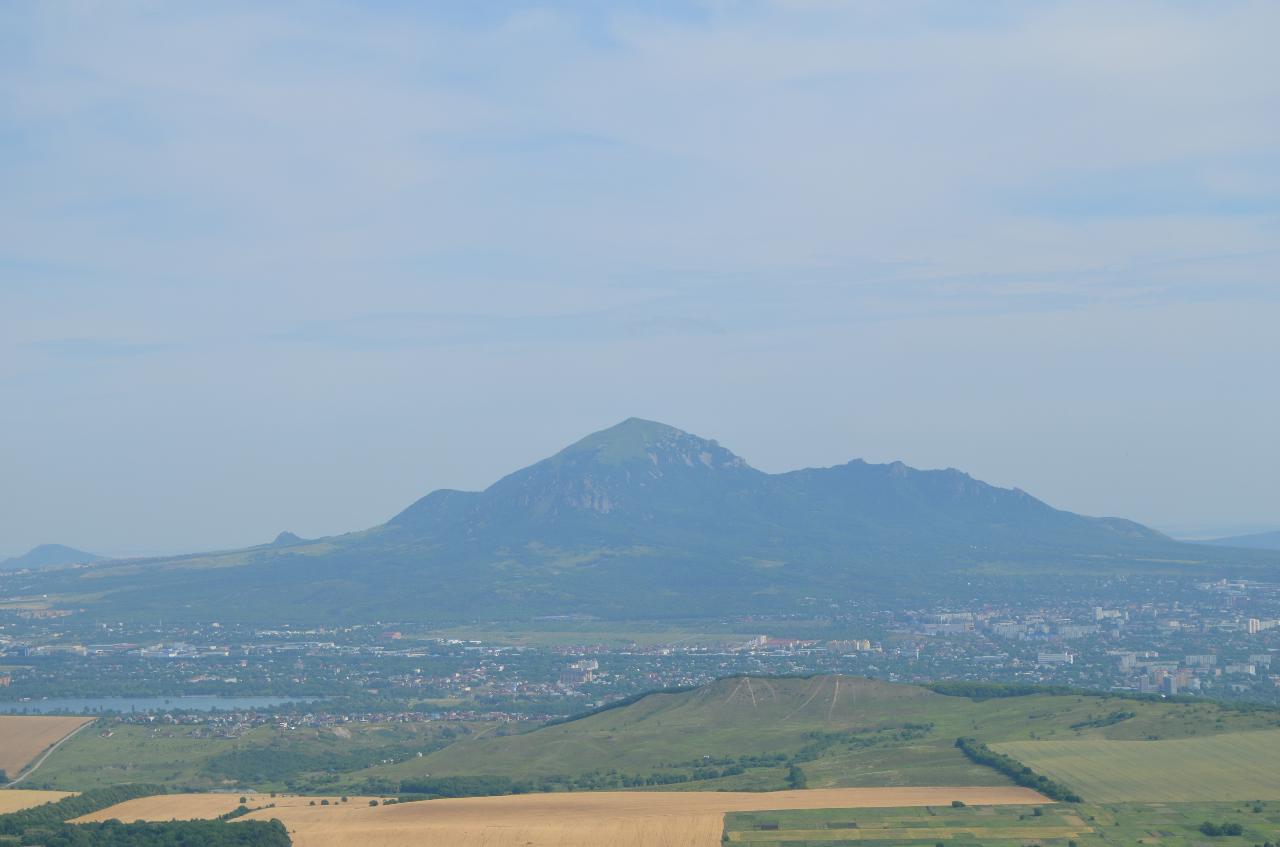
(590, 819)
(15, 799)
(1233, 766)
(25, 737)
(166, 807)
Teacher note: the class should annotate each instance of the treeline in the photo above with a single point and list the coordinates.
(618, 704)
(166, 834)
(463, 786)
(47, 825)
(93, 800)
(820, 742)
(1015, 770)
(979, 690)
(751, 760)
(277, 764)
(1107, 720)
(492, 785)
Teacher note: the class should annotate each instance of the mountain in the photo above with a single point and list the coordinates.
(287, 539)
(49, 554)
(645, 520)
(1255, 541)
(647, 482)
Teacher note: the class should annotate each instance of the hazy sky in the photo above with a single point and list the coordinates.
(274, 266)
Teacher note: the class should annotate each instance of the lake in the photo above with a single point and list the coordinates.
(94, 705)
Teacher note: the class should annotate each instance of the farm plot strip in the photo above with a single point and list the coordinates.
(1233, 766)
(588, 819)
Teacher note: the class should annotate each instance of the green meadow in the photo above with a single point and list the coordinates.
(1235, 766)
(1055, 825)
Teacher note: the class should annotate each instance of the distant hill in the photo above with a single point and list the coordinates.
(49, 554)
(643, 520)
(1256, 541)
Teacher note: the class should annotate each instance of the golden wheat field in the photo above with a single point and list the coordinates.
(24, 737)
(588, 819)
(16, 799)
(165, 807)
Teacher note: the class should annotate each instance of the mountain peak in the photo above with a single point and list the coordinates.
(287, 539)
(637, 439)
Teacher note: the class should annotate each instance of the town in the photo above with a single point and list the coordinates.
(1161, 637)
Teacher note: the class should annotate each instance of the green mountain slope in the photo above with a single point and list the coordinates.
(644, 520)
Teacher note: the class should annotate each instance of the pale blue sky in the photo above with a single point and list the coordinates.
(290, 266)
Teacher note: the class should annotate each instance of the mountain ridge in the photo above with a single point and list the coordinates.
(645, 520)
(1253, 541)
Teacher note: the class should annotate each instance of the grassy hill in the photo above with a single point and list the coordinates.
(748, 733)
(739, 733)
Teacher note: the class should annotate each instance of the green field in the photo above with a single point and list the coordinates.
(1236, 766)
(1167, 825)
